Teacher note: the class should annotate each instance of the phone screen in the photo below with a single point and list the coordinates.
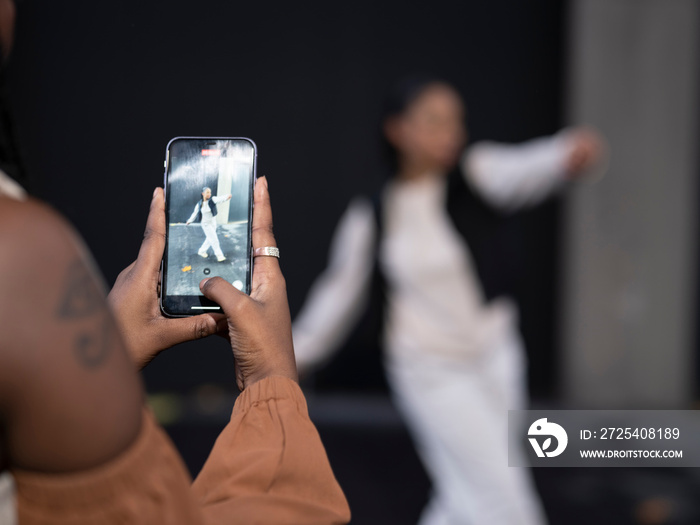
(208, 204)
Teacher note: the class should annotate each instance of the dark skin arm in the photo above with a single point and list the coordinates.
(70, 397)
(259, 326)
(134, 298)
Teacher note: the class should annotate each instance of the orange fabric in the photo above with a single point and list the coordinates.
(279, 472)
(267, 466)
(146, 484)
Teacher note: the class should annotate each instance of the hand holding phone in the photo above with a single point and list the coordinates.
(259, 325)
(134, 299)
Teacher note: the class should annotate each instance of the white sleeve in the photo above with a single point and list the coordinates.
(512, 176)
(194, 213)
(336, 299)
(220, 198)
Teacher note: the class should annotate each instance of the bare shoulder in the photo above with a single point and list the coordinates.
(47, 279)
(33, 235)
(15, 213)
(59, 346)
(38, 251)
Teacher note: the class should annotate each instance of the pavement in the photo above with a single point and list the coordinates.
(186, 269)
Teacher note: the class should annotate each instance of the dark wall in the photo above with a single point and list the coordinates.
(100, 87)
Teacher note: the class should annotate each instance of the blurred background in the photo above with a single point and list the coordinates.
(609, 310)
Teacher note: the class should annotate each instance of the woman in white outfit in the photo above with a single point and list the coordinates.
(205, 211)
(453, 356)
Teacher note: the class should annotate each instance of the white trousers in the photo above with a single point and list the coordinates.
(209, 228)
(458, 417)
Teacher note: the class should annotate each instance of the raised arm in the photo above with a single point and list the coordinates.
(221, 198)
(511, 176)
(337, 297)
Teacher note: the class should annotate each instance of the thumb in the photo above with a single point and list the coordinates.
(223, 293)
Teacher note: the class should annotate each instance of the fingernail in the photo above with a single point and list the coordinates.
(204, 281)
(155, 192)
(265, 182)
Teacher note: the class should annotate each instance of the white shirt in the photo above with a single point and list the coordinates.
(434, 298)
(435, 304)
(9, 188)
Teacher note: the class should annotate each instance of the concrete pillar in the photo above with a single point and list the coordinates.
(630, 240)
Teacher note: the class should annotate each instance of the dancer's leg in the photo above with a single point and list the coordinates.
(458, 416)
(205, 246)
(212, 238)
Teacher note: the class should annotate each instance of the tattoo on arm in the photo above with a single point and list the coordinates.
(83, 299)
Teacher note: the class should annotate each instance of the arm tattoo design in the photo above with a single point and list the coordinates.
(83, 299)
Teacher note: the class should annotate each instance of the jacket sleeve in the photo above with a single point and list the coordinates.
(147, 483)
(336, 299)
(269, 465)
(194, 213)
(513, 176)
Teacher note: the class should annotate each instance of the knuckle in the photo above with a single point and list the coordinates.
(151, 234)
(200, 328)
(263, 229)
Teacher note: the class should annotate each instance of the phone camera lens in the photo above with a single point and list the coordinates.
(207, 271)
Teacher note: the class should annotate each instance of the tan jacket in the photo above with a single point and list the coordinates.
(267, 466)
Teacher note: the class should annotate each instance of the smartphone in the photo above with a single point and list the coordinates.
(209, 210)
